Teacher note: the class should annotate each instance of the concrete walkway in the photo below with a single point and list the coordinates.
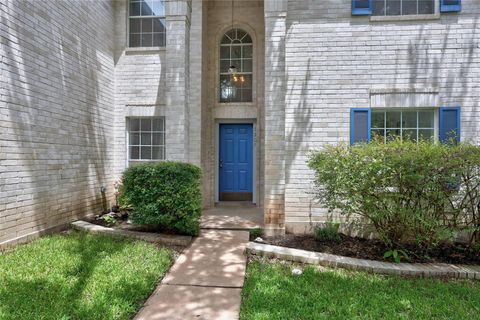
(205, 282)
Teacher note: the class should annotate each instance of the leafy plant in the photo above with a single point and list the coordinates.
(109, 220)
(255, 233)
(396, 255)
(422, 193)
(327, 232)
(164, 194)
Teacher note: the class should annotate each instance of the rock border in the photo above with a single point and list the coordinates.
(425, 270)
(166, 239)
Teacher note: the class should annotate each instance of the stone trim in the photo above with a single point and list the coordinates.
(166, 239)
(425, 270)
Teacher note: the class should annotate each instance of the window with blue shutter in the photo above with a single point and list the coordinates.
(449, 125)
(361, 7)
(450, 5)
(360, 125)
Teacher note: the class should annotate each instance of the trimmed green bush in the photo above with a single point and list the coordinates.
(422, 193)
(164, 194)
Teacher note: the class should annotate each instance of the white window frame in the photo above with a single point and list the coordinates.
(131, 161)
(129, 17)
(430, 16)
(230, 45)
(401, 110)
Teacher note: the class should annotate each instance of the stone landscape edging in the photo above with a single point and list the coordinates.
(166, 239)
(426, 270)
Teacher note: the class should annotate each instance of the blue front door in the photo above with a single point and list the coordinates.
(236, 162)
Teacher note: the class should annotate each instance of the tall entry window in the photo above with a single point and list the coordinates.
(236, 66)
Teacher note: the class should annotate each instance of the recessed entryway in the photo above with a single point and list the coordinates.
(235, 162)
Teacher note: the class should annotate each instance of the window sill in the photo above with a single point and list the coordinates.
(434, 16)
(133, 50)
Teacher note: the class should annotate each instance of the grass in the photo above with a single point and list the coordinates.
(79, 276)
(272, 292)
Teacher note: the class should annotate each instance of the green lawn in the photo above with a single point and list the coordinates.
(272, 292)
(79, 276)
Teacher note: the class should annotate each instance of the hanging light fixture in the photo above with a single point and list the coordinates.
(233, 69)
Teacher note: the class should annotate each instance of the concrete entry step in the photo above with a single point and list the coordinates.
(232, 218)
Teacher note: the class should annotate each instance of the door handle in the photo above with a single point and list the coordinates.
(220, 163)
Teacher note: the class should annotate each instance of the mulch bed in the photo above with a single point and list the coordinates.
(374, 250)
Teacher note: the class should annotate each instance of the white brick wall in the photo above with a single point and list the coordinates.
(56, 111)
(333, 61)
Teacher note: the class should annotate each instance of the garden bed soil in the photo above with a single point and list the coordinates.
(374, 249)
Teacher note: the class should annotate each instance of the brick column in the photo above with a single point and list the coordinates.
(177, 78)
(195, 93)
(275, 31)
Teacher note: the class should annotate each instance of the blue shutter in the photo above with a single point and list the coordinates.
(449, 125)
(361, 7)
(359, 125)
(450, 5)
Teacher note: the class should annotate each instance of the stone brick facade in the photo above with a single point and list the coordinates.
(69, 82)
(56, 111)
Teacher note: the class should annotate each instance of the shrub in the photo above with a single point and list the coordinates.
(164, 194)
(255, 233)
(408, 192)
(327, 232)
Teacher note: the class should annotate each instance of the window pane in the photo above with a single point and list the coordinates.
(378, 8)
(146, 139)
(146, 8)
(247, 66)
(236, 52)
(134, 8)
(158, 40)
(377, 134)
(146, 153)
(393, 7)
(135, 40)
(247, 51)
(393, 119)
(147, 40)
(225, 52)
(237, 64)
(246, 95)
(146, 124)
(224, 66)
(135, 25)
(158, 25)
(425, 134)
(158, 8)
(158, 139)
(134, 153)
(134, 124)
(409, 119)
(134, 139)
(426, 6)
(157, 153)
(426, 119)
(410, 134)
(158, 124)
(409, 7)
(378, 119)
(392, 134)
(147, 25)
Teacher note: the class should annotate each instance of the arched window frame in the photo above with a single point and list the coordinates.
(236, 88)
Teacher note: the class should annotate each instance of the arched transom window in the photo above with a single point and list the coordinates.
(236, 64)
